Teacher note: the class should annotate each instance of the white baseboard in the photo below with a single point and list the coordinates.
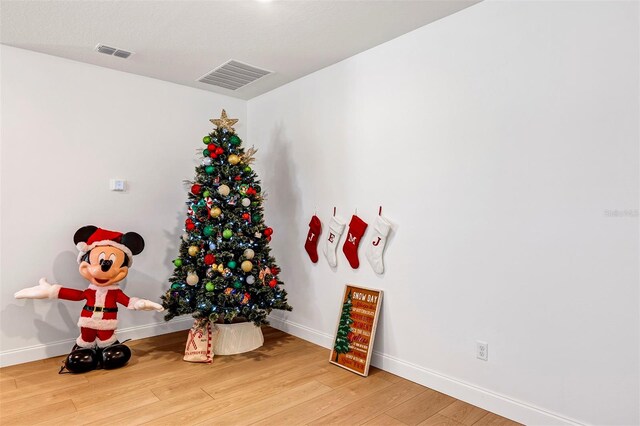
(62, 347)
(301, 331)
(491, 401)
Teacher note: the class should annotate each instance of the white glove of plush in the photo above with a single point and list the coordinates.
(147, 305)
(42, 291)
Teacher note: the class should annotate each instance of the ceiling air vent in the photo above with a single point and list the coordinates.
(108, 50)
(233, 75)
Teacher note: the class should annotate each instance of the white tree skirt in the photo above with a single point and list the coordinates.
(230, 339)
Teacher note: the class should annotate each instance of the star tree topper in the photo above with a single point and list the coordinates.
(223, 122)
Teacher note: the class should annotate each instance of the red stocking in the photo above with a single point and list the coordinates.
(311, 244)
(357, 227)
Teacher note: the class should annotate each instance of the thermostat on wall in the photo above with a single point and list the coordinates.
(119, 185)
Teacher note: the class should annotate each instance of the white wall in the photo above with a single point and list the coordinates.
(67, 128)
(497, 140)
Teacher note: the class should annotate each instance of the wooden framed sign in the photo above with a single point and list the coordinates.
(356, 329)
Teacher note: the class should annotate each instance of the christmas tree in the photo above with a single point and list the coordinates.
(344, 328)
(224, 268)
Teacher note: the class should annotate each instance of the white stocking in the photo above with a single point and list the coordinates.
(336, 228)
(377, 243)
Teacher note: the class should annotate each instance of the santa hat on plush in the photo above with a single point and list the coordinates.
(89, 237)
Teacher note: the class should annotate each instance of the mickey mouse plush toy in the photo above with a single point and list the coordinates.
(105, 258)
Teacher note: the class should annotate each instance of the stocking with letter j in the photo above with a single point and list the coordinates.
(311, 243)
(377, 243)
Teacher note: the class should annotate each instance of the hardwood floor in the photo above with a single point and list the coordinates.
(286, 382)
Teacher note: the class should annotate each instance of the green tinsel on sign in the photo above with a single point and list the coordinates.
(344, 327)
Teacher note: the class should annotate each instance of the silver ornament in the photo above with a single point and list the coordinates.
(250, 279)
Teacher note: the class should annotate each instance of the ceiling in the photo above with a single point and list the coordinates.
(180, 41)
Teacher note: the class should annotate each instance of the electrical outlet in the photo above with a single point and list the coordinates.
(482, 350)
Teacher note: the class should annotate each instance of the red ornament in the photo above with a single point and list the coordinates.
(211, 147)
(269, 238)
(196, 189)
(251, 191)
(191, 226)
(246, 216)
(209, 259)
(268, 232)
(213, 155)
(238, 178)
(219, 151)
(273, 283)
(275, 270)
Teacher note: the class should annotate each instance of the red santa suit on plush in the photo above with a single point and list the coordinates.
(99, 317)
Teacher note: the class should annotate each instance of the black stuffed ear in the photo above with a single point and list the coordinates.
(133, 241)
(83, 234)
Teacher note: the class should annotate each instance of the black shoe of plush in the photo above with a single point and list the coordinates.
(81, 360)
(115, 356)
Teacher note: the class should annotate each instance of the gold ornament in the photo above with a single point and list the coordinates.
(215, 212)
(246, 266)
(192, 278)
(233, 159)
(224, 190)
(193, 250)
(223, 122)
(221, 268)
